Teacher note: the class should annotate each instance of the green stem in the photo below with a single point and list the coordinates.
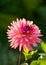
(20, 57)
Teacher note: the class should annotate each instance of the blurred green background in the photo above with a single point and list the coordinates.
(10, 10)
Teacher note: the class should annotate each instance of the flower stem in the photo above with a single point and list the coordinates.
(20, 57)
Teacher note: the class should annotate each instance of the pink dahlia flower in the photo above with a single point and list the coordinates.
(22, 34)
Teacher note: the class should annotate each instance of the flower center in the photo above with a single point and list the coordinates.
(26, 29)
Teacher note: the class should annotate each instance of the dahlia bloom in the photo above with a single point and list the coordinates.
(23, 33)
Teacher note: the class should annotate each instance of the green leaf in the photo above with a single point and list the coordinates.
(43, 62)
(34, 63)
(28, 54)
(43, 45)
(33, 52)
(39, 61)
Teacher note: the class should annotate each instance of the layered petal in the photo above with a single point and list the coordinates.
(23, 33)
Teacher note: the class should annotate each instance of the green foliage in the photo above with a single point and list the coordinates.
(28, 54)
(34, 63)
(43, 45)
(40, 61)
(43, 62)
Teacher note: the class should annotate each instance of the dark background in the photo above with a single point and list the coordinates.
(10, 10)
